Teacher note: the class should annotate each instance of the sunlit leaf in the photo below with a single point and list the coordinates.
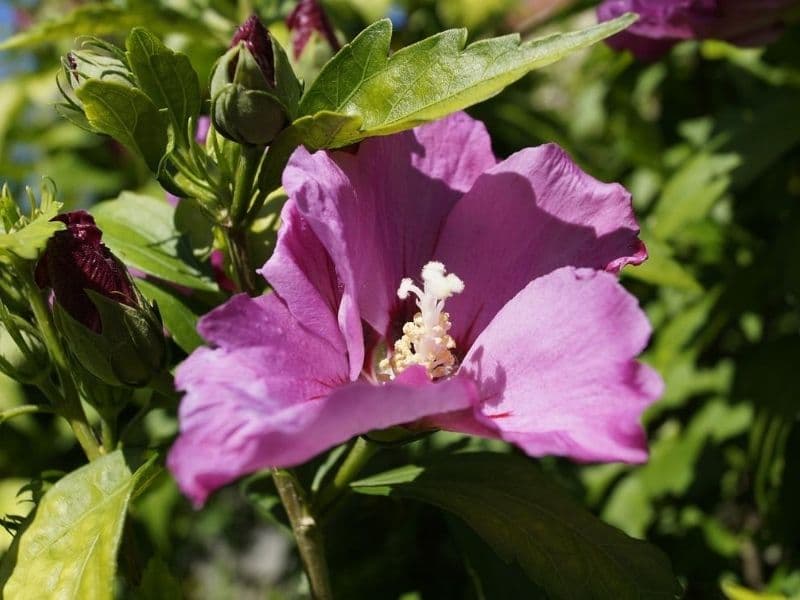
(128, 116)
(68, 549)
(100, 20)
(432, 78)
(167, 77)
(141, 231)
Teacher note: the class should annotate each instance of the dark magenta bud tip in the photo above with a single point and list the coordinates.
(257, 41)
(306, 18)
(76, 260)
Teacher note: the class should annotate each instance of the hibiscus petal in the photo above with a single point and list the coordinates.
(310, 269)
(557, 374)
(302, 274)
(533, 213)
(378, 212)
(244, 411)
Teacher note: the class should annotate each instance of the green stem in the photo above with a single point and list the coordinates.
(23, 410)
(271, 169)
(244, 273)
(108, 430)
(359, 455)
(244, 183)
(306, 532)
(70, 404)
(235, 230)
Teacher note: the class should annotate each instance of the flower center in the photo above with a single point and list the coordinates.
(425, 339)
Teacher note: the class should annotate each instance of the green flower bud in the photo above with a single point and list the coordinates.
(254, 92)
(129, 351)
(95, 59)
(109, 326)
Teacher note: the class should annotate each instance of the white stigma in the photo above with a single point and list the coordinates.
(425, 340)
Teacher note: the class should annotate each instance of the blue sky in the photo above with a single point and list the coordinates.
(15, 62)
(6, 21)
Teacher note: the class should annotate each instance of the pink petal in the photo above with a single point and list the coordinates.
(533, 213)
(378, 212)
(317, 192)
(557, 374)
(302, 274)
(245, 411)
(265, 361)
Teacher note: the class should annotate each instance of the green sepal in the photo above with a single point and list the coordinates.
(247, 116)
(287, 86)
(127, 115)
(131, 348)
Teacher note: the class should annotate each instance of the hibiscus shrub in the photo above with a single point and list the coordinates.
(334, 337)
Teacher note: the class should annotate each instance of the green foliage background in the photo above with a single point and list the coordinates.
(708, 141)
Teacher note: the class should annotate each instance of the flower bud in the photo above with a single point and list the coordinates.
(93, 60)
(254, 92)
(109, 326)
(313, 39)
(308, 22)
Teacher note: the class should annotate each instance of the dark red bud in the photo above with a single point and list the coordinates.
(256, 39)
(72, 63)
(75, 261)
(306, 18)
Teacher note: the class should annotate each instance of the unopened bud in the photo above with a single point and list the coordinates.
(309, 19)
(254, 92)
(314, 40)
(109, 326)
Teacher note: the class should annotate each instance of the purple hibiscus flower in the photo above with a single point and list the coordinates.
(663, 23)
(420, 282)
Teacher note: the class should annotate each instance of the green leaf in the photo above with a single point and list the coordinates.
(105, 19)
(432, 78)
(128, 116)
(692, 191)
(68, 548)
(26, 236)
(166, 77)
(92, 19)
(141, 231)
(527, 519)
(662, 269)
(178, 318)
(28, 242)
(323, 129)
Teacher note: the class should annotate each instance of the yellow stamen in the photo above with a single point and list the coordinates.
(425, 339)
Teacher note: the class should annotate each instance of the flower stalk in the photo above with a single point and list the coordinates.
(69, 405)
(306, 531)
(359, 455)
(244, 273)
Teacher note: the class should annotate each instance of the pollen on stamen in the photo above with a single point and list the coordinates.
(425, 340)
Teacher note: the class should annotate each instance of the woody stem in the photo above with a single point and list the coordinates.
(307, 533)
